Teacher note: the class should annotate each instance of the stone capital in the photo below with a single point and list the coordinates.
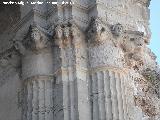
(36, 39)
(67, 34)
(96, 32)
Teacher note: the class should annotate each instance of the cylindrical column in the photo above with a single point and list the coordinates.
(101, 99)
(35, 100)
(106, 69)
(37, 75)
(108, 101)
(29, 98)
(95, 97)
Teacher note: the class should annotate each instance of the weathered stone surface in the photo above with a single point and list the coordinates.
(85, 61)
(9, 15)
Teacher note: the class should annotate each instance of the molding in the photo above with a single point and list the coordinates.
(110, 68)
(40, 77)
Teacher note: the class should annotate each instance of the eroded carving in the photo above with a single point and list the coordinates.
(96, 32)
(36, 39)
(117, 29)
(77, 34)
(58, 35)
(132, 44)
(67, 34)
(19, 46)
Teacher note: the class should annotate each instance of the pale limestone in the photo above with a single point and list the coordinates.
(79, 62)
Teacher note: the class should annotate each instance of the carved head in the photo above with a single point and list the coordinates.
(35, 39)
(76, 34)
(117, 29)
(66, 32)
(59, 32)
(36, 35)
(95, 31)
(75, 31)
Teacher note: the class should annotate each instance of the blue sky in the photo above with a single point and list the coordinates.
(155, 27)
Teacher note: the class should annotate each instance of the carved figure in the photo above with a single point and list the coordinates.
(96, 32)
(117, 29)
(76, 33)
(58, 35)
(35, 39)
(19, 46)
(67, 35)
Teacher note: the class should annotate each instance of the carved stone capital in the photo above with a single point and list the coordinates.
(62, 35)
(36, 39)
(96, 32)
(67, 34)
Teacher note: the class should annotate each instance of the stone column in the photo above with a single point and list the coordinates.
(37, 68)
(106, 70)
(71, 43)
